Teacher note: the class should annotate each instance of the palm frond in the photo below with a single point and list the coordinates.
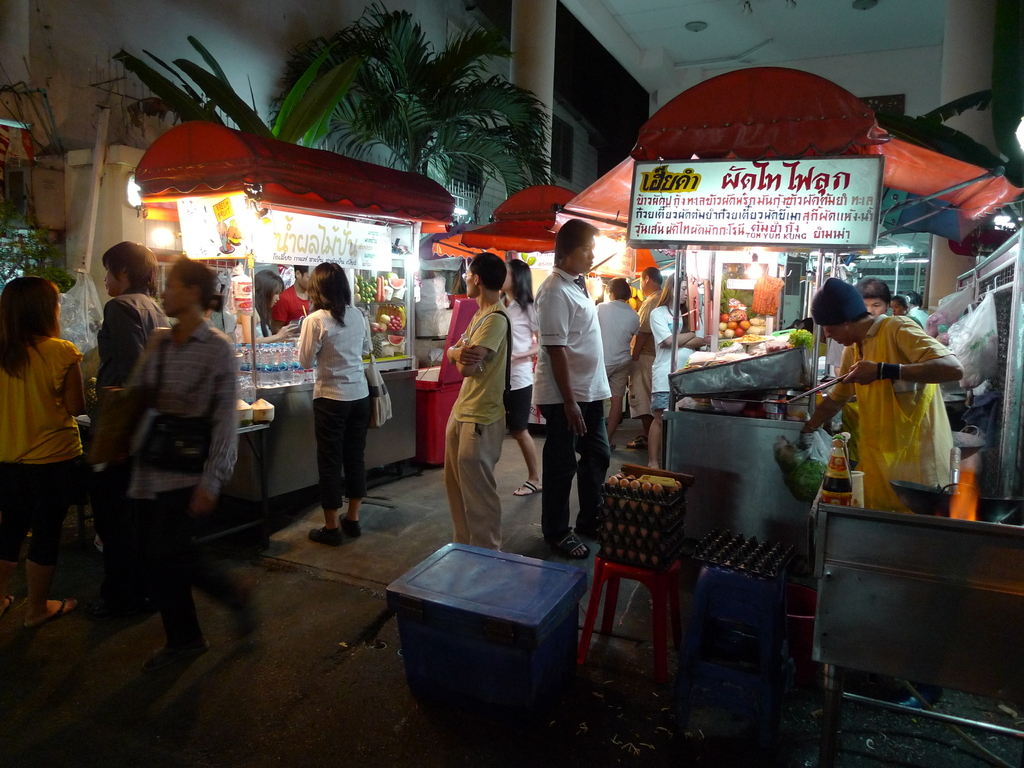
(224, 96)
(211, 62)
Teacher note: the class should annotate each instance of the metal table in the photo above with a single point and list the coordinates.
(929, 599)
(256, 437)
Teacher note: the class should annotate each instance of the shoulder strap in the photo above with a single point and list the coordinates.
(508, 351)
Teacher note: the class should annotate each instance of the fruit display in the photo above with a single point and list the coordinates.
(641, 520)
(387, 328)
(366, 290)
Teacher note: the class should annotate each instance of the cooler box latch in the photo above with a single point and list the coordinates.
(497, 631)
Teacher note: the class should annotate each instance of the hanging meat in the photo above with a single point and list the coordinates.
(766, 295)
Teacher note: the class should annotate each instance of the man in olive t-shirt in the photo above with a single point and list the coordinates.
(476, 426)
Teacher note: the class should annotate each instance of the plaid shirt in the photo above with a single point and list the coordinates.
(199, 378)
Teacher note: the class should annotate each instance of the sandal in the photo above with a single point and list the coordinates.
(8, 603)
(527, 489)
(67, 605)
(637, 443)
(572, 547)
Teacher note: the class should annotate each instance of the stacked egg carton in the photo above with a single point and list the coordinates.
(641, 523)
(736, 552)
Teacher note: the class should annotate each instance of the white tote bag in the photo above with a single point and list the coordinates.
(380, 400)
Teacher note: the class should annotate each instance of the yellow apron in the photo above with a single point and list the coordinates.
(889, 444)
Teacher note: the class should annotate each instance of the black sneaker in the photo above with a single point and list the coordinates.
(329, 536)
(351, 528)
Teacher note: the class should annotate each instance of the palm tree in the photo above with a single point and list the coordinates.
(429, 112)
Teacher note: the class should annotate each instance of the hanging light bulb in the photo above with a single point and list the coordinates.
(747, 10)
(791, 4)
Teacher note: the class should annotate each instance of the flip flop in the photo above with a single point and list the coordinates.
(8, 603)
(526, 489)
(573, 548)
(637, 442)
(62, 611)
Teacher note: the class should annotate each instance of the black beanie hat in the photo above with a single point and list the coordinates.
(836, 303)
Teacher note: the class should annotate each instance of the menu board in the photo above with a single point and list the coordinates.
(820, 202)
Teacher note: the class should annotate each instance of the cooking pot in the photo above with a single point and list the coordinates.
(932, 500)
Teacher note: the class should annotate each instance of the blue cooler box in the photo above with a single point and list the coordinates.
(488, 630)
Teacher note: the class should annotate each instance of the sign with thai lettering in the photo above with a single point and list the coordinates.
(229, 227)
(829, 202)
(296, 238)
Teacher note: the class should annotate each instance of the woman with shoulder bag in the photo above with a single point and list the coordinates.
(338, 337)
(190, 373)
(41, 391)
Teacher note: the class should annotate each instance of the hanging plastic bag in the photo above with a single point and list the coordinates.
(80, 314)
(949, 311)
(803, 470)
(975, 342)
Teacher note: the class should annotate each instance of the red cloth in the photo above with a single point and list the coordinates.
(289, 307)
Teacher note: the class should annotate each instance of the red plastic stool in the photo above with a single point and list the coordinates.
(662, 584)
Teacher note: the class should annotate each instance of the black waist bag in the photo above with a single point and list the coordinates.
(177, 443)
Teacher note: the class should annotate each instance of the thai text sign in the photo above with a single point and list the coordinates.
(229, 227)
(813, 201)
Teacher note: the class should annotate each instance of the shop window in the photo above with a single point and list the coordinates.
(561, 148)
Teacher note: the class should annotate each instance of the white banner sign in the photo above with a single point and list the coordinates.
(814, 201)
(228, 227)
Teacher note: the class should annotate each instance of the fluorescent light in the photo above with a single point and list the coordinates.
(915, 261)
(133, 192)
(460, 212)
(882, 249)
(1020, 133)
(1002, 221)
(161, 237)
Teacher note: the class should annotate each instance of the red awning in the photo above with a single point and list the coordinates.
(453, 246)
(759, 112)
(522, 223)
(198, 158)
(605, 203)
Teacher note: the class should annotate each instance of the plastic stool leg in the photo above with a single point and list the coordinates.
(593, 606)
(657, 586)
(673, 599)
(611, 600)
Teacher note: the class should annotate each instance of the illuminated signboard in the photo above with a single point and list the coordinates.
(829, 202)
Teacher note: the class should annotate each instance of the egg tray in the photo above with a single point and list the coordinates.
(667, 552)
(666, 499)
(633, 512)
(638, 537)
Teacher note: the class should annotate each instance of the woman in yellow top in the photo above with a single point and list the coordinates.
(41, 390)
(893, 367)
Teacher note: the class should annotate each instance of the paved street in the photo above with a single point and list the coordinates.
(322, 683)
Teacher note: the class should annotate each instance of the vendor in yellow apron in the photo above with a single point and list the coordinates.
(894, 369)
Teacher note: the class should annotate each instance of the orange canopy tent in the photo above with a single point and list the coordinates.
(522, 223)
(197, 158)
(775, 112)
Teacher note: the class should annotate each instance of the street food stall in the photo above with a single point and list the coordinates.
(266, 202)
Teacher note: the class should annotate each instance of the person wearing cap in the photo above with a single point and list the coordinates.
(893, 367)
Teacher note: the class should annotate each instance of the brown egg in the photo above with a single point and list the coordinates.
(623, 483)
(635, 485)
(658, 488)
(609, 501)
(633, 504)
(646, 486)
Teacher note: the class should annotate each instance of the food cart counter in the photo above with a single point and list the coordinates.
(291, 444)
(740, 486)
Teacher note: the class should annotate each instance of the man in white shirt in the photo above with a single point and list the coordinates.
(570, 387)
(619, 324)
(644, 350)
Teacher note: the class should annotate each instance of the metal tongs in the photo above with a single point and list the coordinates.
(816, 390)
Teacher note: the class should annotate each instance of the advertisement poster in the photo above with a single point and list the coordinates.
(223, 228)
(829, 202)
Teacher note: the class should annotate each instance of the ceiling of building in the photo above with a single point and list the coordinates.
(650, 39)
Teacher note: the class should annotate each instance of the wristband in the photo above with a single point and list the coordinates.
(892, 371)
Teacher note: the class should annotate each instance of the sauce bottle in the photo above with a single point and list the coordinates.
(837, 487)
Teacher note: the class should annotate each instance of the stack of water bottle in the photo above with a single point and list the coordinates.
(277, 364)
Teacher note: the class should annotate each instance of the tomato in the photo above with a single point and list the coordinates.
(724, 317)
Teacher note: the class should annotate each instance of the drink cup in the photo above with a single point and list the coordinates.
(858, 488)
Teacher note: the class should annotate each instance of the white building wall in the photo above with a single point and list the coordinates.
(584, 155)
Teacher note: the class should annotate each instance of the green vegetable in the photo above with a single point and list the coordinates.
(801, 474)
(801, 338)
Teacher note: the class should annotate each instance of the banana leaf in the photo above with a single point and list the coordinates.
(183, 83)
(224, 96)
(315, 107)
(932, 134)
(208, 58)
(164, 89)
(299, 89)
(979, 100)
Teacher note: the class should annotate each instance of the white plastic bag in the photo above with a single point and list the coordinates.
(949, 311)
(80, 314)
(975, 342)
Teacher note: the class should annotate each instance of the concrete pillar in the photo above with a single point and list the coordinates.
(533, 50)
(966, 68)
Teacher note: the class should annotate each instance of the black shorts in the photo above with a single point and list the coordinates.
(517, 408)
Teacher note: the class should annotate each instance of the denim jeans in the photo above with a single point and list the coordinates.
(560, 465)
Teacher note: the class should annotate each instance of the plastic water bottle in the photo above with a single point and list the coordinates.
(277, 360)
(298, 375)
(246, 390)
(245, 360)
(266, 368)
